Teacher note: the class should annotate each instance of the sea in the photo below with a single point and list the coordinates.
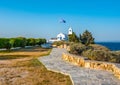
(114, 46)
(46, 45)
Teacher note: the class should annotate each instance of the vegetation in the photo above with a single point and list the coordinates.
(22, 67)
(86, 38)
(40, 41)
(4, 43)
(87, 48)
(73, 38)
(31, 42)
(95, 52)
(99, 47)
(100, 55)
(77, 48)
(17, 42)
(8, 43)
(58, 43)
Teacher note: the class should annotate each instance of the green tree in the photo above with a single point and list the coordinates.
(73, 38)
(4, 43)
(40, 41)
(2, 40)
(12, 42)
(86, 38)
(7, 44)
(43, 41)
(18, 42)
(22, 41)
(31, 42)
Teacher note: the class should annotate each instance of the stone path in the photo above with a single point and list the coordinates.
(79, 75)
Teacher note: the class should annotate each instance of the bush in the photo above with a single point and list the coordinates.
(100, 55)
(87, 53)
(115, 57)
(78, 48)
(58, 43)
(99, 47)
(95, 52)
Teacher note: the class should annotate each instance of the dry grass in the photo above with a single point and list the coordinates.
(21, 67)
(31, 52)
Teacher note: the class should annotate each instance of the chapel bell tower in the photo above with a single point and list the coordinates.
(70, 31)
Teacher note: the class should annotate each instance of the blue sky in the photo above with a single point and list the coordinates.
(40, 18)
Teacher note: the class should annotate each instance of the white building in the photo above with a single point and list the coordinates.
(52, 40)
(62, 36)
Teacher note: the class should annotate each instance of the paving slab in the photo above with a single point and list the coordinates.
(79, 75)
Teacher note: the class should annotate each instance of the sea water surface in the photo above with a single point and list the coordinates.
(114, 46)
(46, 45)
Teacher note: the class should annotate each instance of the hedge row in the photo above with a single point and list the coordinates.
(8, 43)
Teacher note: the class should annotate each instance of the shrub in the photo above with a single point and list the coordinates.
(78, 48)
(58, 43)
(100, 55)
(95, 52)
(87, 53)
(99, 47)
(115, 57)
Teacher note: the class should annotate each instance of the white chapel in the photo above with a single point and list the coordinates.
(62, 36)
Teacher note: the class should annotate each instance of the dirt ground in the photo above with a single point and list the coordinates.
(21, 67)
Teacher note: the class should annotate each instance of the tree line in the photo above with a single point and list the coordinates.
(9, 43)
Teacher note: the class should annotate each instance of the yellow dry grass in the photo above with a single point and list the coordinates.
(21, 67)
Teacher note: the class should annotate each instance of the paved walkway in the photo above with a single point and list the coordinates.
(79, 75)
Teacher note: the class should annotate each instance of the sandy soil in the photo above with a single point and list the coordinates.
(21, 67)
